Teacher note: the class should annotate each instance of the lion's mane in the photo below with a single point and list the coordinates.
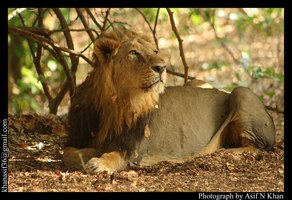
(106, 112)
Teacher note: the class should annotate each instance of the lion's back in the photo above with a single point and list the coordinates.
(183, 123)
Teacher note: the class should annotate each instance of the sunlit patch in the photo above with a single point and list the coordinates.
(47, 160)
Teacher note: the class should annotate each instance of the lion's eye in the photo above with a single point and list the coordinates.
(155, 51)
(133, 52)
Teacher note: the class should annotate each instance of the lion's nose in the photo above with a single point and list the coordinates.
(159, 68)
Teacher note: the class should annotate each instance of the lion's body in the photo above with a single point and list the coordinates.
(121, 113)
(184, 123)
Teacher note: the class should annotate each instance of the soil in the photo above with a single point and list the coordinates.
(35, 165)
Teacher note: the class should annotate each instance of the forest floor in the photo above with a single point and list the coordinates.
(35, 164)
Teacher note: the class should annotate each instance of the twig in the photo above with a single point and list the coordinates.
(224, 45)
(38, 16)
(145, 19)
(212, 23)
(148, 23)
(156, 20)
(57, 100)
(154, 29)
(45, 42)
(72, 29)
(74, 59)
(93, 18)
(105, 19)
(181, 50)
(83, 20)
(47, 32)
(67, 34)
(179, 74)
(15, 12)
(86, 47)
(36, 61)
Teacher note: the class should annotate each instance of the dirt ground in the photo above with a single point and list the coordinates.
(35, 152)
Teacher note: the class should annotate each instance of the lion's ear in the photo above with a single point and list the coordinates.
(104, 49)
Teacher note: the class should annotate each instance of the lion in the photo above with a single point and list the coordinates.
(123, 114)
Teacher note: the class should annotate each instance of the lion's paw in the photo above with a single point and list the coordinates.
(97, 165)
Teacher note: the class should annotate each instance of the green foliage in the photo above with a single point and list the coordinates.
(150, 13)
(28, 87)
(266, 21)
(258, 73)
(24, 102)
(232, 25)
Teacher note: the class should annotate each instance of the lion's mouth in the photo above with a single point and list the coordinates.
(151, 83)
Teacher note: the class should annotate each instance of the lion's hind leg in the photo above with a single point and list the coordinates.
(250, 126)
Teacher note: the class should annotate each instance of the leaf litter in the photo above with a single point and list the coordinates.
(35, 164)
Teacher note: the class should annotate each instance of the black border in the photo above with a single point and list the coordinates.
(157, 3)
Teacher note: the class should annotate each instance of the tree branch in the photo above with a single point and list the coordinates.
(45, 42)
(37, 60)
(47, 32)
(15, 12)
(58, 99)
(37, 63)
(224, 45)
(81, 16)
(70, 44)
(181, 50)
(179, 74)
(93, 18)
(69, 40)
(148, 23)
(105, 19)
(155, 23)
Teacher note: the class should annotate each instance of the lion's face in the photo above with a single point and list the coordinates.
(137, 65)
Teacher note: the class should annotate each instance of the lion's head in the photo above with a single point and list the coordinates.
(128, 76)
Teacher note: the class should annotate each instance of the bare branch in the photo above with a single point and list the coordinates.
(37, 60)
(156, 20)
(72, 29)
(105, 19)
(148, 23)
(57, 100)
(154, 29)
(86, 47)
(38, 16)
(83, 20)
(67, 34)
(145, 19)
(179, 74)
(223, 44)
(15, 12)
(93, 18)
(70, 44)
(37, 63)
(212, 24)
(181, 50)
(45, 42)
(47, 32)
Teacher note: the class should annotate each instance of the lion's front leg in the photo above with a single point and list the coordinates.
(76, 158)
(109, 162)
